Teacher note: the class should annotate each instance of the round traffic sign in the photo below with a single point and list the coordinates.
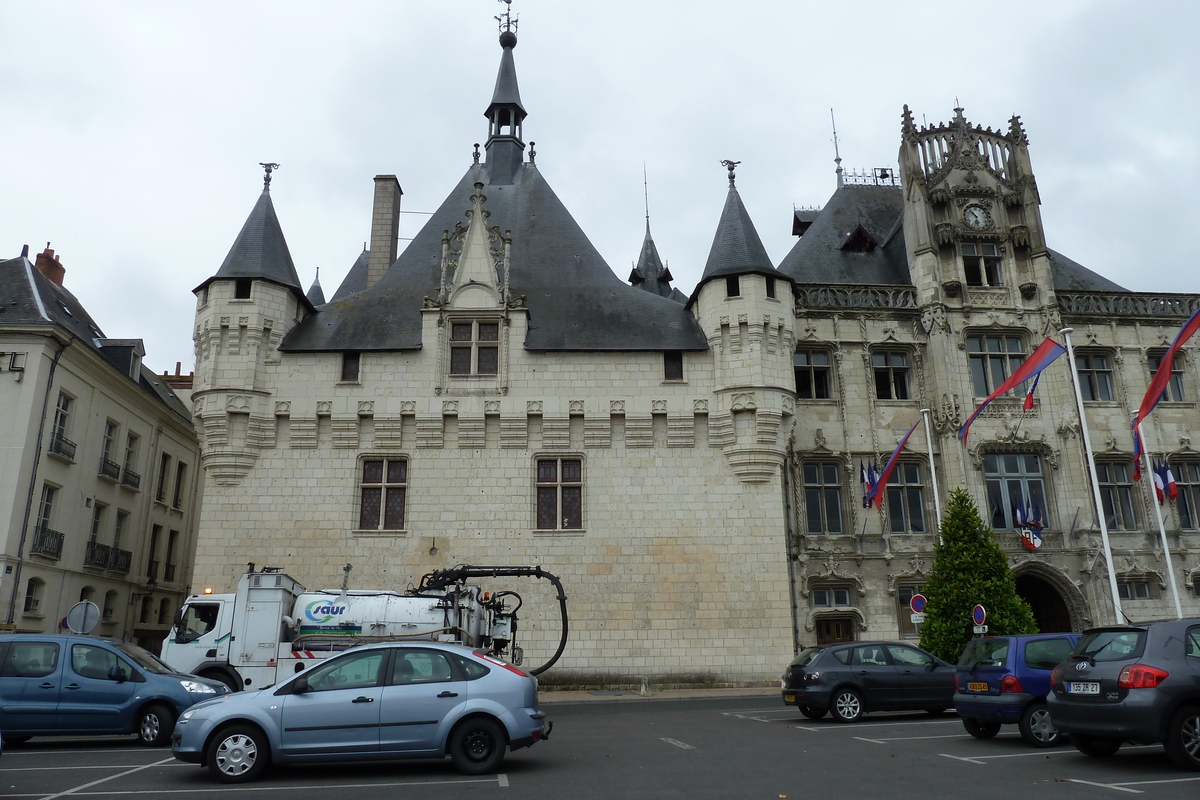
(979, 615)
(917, 604)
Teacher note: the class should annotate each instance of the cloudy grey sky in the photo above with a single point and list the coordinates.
(133, 130)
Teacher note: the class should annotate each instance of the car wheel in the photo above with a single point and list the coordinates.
(813, 713)
(935, 712)
(1183, 738)
(1037, 728)
(16, 739)
(1096, 746)
(846, 706)
(154, 725)
(238, 754)
(980, 729)
(477, 746)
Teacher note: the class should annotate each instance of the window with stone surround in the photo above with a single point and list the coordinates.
(1135, 589)
(559, 494)
(1174, 392)
(890, 368)
(822, 487)
(813, 376)
(672, 365)
(981, 264)
(992, 359)
(1095, 376)
(475, 347)
(905, 499)
(1187, 479)
(382, 491)
(350, 364)
(1116, 494)
(830, 596)
(1014, 480)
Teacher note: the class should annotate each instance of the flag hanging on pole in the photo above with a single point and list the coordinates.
(1029, 524)
(1029, 393)
(1039, 359)
(1172, 487)
(1158, 385)
(1160, 481)
(870, 478)
(876, 494)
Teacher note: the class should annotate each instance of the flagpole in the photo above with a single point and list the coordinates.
(1091, 461)
(937, 497)
(1162, 531)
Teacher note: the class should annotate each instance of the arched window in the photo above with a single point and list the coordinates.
(33, 595)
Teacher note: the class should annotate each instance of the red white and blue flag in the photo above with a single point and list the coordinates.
(870, 479)
(1164, 482)
(1042, 357)
(1028, 406)
(1158, 387)
(1029, 524)
(876, 494)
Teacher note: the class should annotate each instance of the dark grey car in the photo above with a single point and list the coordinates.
(851, 679)
(1135, 683)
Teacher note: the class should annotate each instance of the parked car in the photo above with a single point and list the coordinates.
(63, 684)
(1136, 683)
(850, 679)
(383, 701)
(1005, 679)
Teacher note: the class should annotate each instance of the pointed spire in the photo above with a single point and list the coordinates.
(736, 247)
(260, 250)
(316, 295)
(505, 113)
(651, 274)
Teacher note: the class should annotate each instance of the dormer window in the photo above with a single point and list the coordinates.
(475, 348)
(981, 264)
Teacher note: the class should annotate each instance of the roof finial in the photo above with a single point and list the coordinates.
(730, 165)
(837, 157)
(532, 153)
(508, 26)
(269, 167)
(477, 152)
(646, 193)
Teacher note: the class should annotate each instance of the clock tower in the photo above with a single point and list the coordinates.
(972, 225)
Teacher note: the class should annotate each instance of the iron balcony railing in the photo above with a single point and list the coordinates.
(120, 561)
(110, 469)
(47, 542)
(62, 446)
(131, 479)
(97, 555)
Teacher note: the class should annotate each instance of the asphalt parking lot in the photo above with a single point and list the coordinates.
(751, 747)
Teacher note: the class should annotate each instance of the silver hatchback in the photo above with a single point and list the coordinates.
(376, 702)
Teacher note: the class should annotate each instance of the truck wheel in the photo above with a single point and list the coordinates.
(1183, 738)
(1037, 728)
(477, 746)
(231, 685)
(980, 729)
(847, 705)
(154, 725)
(237, 754)
(1096, 746)
(813, 713)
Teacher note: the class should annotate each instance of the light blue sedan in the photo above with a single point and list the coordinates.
(383, 701)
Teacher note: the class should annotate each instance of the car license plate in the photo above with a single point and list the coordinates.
(977, 686)
(789, 698)
(1083, 687)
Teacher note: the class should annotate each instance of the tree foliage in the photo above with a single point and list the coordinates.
(969, 568)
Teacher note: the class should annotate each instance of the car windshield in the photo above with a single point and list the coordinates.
(990, 652)
(146, 660)
(1115, 645)
(807, 656)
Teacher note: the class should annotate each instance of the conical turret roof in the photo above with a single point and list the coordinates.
(260, 250)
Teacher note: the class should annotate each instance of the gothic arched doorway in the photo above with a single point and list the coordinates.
(1049, 609)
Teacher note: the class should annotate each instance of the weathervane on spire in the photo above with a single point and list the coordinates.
(269, 167)
(507, 23)
(730, 165)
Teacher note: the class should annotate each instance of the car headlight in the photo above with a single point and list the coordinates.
(195, 687)
(185, 716)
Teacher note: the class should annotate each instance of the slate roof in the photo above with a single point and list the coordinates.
(356, 278)
(1070, 276)
(260, 251)
(27, 297)
(736, 248)
(651, 274)
(818, 256)
(316, 295)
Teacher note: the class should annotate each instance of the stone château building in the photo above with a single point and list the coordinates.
(495, 394)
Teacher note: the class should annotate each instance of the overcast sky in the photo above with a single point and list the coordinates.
(132, 131)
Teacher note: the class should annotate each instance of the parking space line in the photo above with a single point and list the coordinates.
(1113, 786)
(1160, 780)
(911, 738)
(1040, 753)
(98, 781)
(82, 766)
(500, 779)
(677, 743)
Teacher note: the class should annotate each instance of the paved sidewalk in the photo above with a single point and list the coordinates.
(550, 696)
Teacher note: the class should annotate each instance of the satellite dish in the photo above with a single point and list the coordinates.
(83, 616)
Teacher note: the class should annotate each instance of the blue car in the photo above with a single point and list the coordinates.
(53, 685)
(374, 702)
(1005, 679)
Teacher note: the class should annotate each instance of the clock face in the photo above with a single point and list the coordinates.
(977, 217)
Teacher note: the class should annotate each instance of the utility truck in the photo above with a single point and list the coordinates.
(272, 627)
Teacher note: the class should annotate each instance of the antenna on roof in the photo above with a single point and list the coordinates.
(837, 157)
(646, 194)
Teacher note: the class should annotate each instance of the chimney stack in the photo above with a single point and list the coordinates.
(47, 264)
(385, 227)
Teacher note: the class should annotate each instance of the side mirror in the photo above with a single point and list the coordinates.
(178, 618)
(118, 674)
(300, 685)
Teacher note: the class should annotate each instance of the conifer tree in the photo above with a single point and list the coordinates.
(969, 568)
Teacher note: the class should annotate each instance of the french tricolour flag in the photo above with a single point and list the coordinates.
(1038, 360)
(1158, 386)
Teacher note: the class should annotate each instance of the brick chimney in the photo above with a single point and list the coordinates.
(385, 227)
(47, 264)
